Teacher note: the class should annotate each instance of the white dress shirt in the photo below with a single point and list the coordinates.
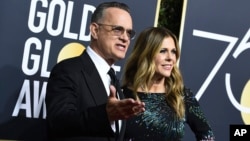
(102, 68)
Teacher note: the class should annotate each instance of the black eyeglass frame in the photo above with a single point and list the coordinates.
(119, 30)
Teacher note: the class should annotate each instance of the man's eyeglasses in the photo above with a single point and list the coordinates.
(119, 30)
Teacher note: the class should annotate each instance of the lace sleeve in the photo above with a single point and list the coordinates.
(196, 118)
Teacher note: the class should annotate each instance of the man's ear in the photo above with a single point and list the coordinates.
(94, 30)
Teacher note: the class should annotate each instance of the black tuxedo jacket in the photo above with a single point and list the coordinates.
(76, 102)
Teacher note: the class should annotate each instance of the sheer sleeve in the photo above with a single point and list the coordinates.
(196, 118)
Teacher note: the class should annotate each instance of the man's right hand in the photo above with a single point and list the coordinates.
(124, 108)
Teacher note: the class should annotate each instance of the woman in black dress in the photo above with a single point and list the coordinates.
(152, 76)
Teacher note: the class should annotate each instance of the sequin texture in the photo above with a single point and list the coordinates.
(159, 122)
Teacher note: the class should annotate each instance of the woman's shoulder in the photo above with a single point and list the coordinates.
(187, 92)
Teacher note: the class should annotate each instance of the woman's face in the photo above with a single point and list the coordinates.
(165, 59)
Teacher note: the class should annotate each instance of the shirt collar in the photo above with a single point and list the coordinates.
(101, 65)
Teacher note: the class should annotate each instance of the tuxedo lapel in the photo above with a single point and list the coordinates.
(96, 86)
(93, 80)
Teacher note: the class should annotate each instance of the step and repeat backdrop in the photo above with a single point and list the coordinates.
(34, 36)
(215, 39)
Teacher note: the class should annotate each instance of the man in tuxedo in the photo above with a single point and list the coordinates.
(81, 103)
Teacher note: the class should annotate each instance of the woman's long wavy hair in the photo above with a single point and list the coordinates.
(140, 67)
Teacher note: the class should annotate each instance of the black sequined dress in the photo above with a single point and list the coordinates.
(159, 123)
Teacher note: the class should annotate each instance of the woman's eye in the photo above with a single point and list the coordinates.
(174, 51)
(163, 50)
